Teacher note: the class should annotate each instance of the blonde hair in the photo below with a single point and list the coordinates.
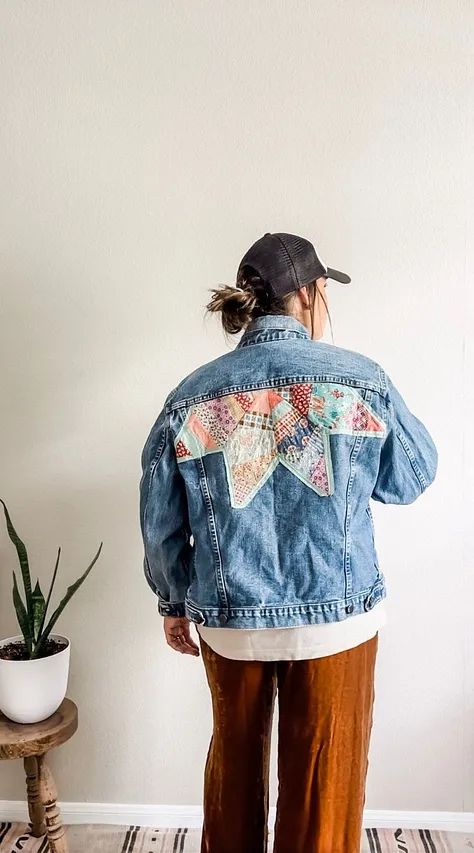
(250, 297)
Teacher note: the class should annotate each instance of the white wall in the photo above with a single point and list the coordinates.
(145, 145)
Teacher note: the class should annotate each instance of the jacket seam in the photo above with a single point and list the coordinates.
(341, 603)
(160, 448)
(218, 566)
(406, 446)
(149, 575)
(411, 457)
(347, 521)
(154, 462)
(383, 379)
(156, 458)
(272, 383)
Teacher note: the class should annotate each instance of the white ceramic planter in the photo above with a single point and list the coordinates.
(32, 690)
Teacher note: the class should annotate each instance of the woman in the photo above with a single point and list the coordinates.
(254, 505)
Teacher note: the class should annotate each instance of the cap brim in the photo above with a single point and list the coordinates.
(342, 277)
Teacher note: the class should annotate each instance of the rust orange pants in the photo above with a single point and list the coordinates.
(324, 725)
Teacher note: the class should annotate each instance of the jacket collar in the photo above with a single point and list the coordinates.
(274, 323)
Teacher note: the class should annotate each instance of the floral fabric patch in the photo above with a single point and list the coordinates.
(256, 430)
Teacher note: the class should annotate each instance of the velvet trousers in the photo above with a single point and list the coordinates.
(324, 724)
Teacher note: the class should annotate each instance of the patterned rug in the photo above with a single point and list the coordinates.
(93, 838)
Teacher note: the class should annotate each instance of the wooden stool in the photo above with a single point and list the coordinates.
(31, 741)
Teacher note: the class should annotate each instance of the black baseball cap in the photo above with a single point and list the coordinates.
(287, 262)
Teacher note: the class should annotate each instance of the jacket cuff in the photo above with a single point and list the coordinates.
(165, 608)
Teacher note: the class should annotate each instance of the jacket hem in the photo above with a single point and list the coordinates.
(292, 615)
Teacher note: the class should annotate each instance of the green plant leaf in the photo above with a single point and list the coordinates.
(23, 559)
(39, 606)
(40, 630)
(69, 593)
(22, 616)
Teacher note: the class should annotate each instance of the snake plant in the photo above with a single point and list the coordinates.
(32, 613)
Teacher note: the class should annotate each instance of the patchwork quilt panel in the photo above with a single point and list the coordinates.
(257, 430)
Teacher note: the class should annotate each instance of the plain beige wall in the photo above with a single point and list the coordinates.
(144, 146)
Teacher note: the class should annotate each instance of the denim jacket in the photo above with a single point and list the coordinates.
(257, 476)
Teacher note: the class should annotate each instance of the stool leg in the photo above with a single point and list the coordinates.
(35, 806)
(48, 793)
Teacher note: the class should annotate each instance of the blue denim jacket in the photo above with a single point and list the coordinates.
(257, 476)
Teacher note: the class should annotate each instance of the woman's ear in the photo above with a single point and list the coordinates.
(303, 295)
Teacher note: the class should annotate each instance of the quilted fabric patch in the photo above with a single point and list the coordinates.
(255, 430)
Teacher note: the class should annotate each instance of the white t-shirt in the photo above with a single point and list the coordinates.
(300, 643)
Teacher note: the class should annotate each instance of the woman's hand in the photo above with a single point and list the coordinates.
(178, 635)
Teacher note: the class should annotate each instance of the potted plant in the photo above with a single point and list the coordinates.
(34, 665)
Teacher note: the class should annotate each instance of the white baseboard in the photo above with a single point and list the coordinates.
(191, 816)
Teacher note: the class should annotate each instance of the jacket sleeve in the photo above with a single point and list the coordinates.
(409, 458)
(164, 519)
